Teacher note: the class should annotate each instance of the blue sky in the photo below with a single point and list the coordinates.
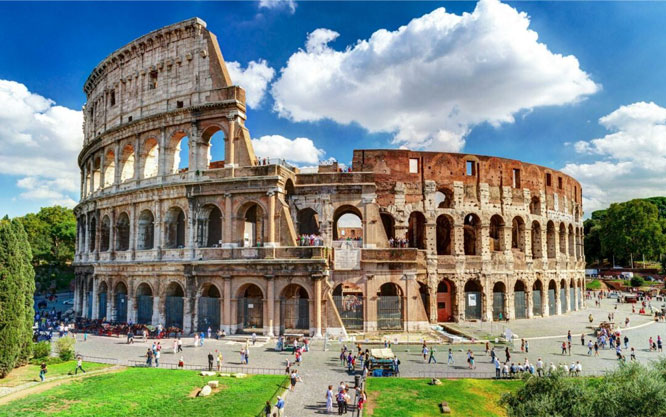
(50, 48)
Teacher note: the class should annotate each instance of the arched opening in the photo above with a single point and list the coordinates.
(120, 303)
(518, 234)
(550, 239)
(348, 300)
(92, 227)
(105, 242)
(144, 304)
(347, 224)
(389, 307)
(495, 233)
(571, 242)
(174, 228)
(208, 313)
(563, 239)
(145, 238)
(122, 232)
(250, 311)
(214, 143)
(209, 226)
(109, 168)
(253, 226)
(389, 227)
(471, 230)
(473, 300)
(173, 305)
(552, 302)
(445, 296)
(563, 297)
(537, 289)
(444, 235)
(294, 310)
(97, 174)
(150, 158)
(520, 300)
(101, 300)
(499, 301)
(444, 198)
(535, 206)
(416, 234)
(308, 222)
(536, 240)
(127, 163)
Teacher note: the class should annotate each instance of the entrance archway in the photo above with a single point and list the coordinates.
(294, 309)
(445, 296)
(173, 305)
(473, 300)
(208, 312)
(120, 303)
(520, 300)
(499, 301)
(348, 300)
(250, 312)
(389, 307)
(144, 304)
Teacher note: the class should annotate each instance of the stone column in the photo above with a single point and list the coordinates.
(317, 304)
(227, 305)
(270, 303)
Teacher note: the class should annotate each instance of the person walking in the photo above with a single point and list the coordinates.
(211, 358)
(42, 371)
(329, 399)
(79, 365)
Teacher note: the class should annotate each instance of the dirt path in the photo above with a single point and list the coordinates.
(24, 390)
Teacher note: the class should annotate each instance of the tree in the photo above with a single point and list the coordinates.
(17, 288)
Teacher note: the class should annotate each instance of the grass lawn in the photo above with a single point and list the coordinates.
(30, 373)
(149, 392)
(415, 398)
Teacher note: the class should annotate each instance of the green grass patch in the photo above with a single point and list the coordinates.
(593, 285)
(30, 373)
(149, 392)
(416, 398)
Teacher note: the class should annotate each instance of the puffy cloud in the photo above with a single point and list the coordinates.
(278, 4)
(40, 143)
(632, 157)
(254, 79)
(430, 81)
(299, 150)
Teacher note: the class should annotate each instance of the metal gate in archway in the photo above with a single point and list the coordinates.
(250, 313)
(121, 308)
(294, 314)
(473, 305)
(520, 305)
(552, 307)
(563, 300)
(498, 306)
(571, 299)
(536, 303)
(174, 312)
(144, 309)
(350, 308)
(89, 306)
(389, 312)
(101, 310)
(208, 314)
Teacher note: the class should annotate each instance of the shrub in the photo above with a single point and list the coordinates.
(65, 348)
(41, 350)
(637, 281)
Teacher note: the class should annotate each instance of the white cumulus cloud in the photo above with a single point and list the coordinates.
(298, 150)
(254, 79)
(40, 142)
(631, 157)
(430, 81)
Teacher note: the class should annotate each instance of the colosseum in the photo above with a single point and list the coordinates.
(245, 243)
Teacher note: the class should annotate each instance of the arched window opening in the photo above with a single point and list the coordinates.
(416, 234)
(150, 158)
(389, 227)
(535, 206)
(536, 240)
(109, 168)
(444, 233)
(146, 233)
(471, 230)
(253, 226)
(550, 239)
(93, 233)
(175, 228)
(347, 224)
(499, 301)
(105, 242)
(127, 164)
(122, 232)
(444, 198)
(518, 234)
(308, 222)
(495, 232)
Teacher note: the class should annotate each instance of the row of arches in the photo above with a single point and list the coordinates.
(144, 159)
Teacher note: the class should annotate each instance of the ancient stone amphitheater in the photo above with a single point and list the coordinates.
(402, 240)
